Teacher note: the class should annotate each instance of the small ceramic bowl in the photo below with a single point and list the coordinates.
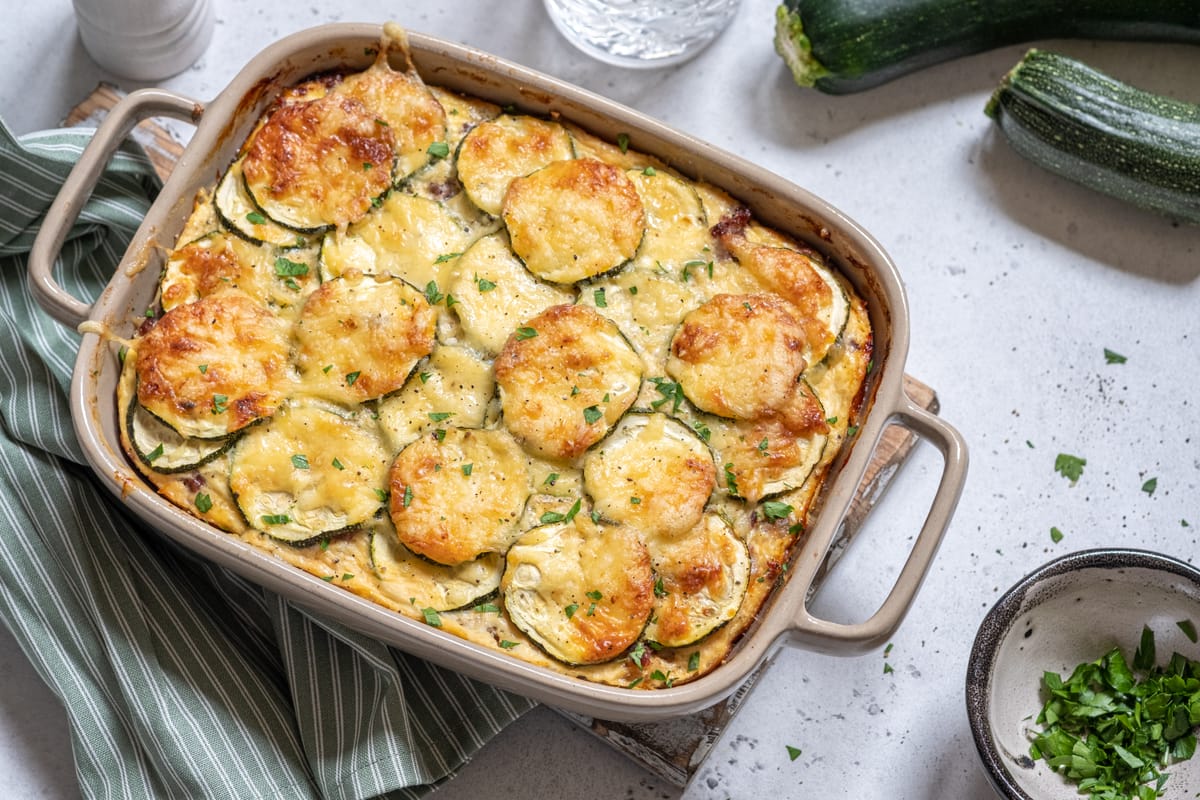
(1070, 611)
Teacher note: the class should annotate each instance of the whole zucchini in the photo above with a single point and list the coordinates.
(843, 46)
(1102, 133)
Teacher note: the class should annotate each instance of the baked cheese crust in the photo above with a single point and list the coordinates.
(533, 387)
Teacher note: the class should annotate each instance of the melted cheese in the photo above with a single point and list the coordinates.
(495, 152)
(574, 219)
(408, 578)
(319, 164)
(676, 228)
(583, 592)
(457, 493)
(359, 337)
(218, 261)
(452, 381)
(212, 367)
(566, 376)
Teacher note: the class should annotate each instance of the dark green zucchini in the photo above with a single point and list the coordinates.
(1101, 133)
(843, 46)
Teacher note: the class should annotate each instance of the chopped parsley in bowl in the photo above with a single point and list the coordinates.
(1084, 680)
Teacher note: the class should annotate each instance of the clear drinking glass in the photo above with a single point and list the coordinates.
(641, 33)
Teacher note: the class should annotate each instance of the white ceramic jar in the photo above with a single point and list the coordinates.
(145, 40)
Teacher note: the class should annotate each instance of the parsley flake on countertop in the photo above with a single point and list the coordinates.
(793, 752)
(1069, 466)
(1149, 486)
(1113, 358)
(1056, 535)
(1111, 729)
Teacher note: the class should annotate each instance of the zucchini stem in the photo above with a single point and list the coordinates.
(794, 46)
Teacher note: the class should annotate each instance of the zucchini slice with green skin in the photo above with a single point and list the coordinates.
(843, 46)
(235, 370)
(239, 213)
(160, 448)
(360, 336)
(1101, 133)
(676, 227)
(583, 592)
(646, 304)
(566, 376)
(412, 580)
(319, 165)
(453, 386)
(495, 293)
(703, 575)
(217, 261)
(309, 472)
(457, 493)
(572, 220)
(495, 152)
(407, 236)
(653, 472)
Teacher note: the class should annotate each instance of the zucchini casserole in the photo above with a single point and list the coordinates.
(483, 368)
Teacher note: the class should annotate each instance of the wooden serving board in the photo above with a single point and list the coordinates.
(674, 749)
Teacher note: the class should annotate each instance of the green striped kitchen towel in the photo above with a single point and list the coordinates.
(180, 679)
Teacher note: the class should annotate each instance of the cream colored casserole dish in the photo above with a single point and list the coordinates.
(539, 390)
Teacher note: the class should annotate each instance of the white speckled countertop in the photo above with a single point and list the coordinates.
(1017, 281)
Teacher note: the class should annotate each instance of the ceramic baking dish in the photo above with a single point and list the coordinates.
(225, 122)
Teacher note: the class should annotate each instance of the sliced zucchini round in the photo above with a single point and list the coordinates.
(319, 164)
(703, 574)
(646, 304)
(453, 385)
(495, 152)
(308, 472)
(652, 472)
(495, 293)
(359, 336)
(739, 356)
(219, 261)
(575, 219)
(212, 367)
(407, 236)
(161, 449)
(238, 212)
(458, 493)
(566, 376)
(408, 578)
(676, 237)
(760, 459)
(582, 591)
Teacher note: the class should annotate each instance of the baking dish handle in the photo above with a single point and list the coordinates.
(120, 121)
(814, 633)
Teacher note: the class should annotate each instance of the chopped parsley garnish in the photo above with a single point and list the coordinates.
(599, 298)
(1111, 357)
(444, 257)
(381, 494)
(467, 468)
(432, 294)
(431, 617)
(635, 501)
(276, 519)
(694, 661)
(507, 644)
(592, 414)
(438, 149)
(775, 509)
(554, 516)
(351, 377)
(623, 142)
(486, 608)
(483, 284)
(664, 678)
(408, 496)
(650, 172)
(793, 752)
(525, 332)
(204, 504)
(659, 589)
(596, 595)
(425, 376)
(887, 668)
(286, 268)
(255, 218)
(326, 368)
(439, 435)
(1070, 467)
(300, 461)
(571, 609)
(1056, 535)
(551, 479)
(1110, 728)
(762, 447)
(367, 165)
(851, 430)
(1149, 486)
(203, 369)
(155, 453)
(702, 430)
(671, 392)
(438, 416)
(220, 403)
(338, 465)
(731, 480)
